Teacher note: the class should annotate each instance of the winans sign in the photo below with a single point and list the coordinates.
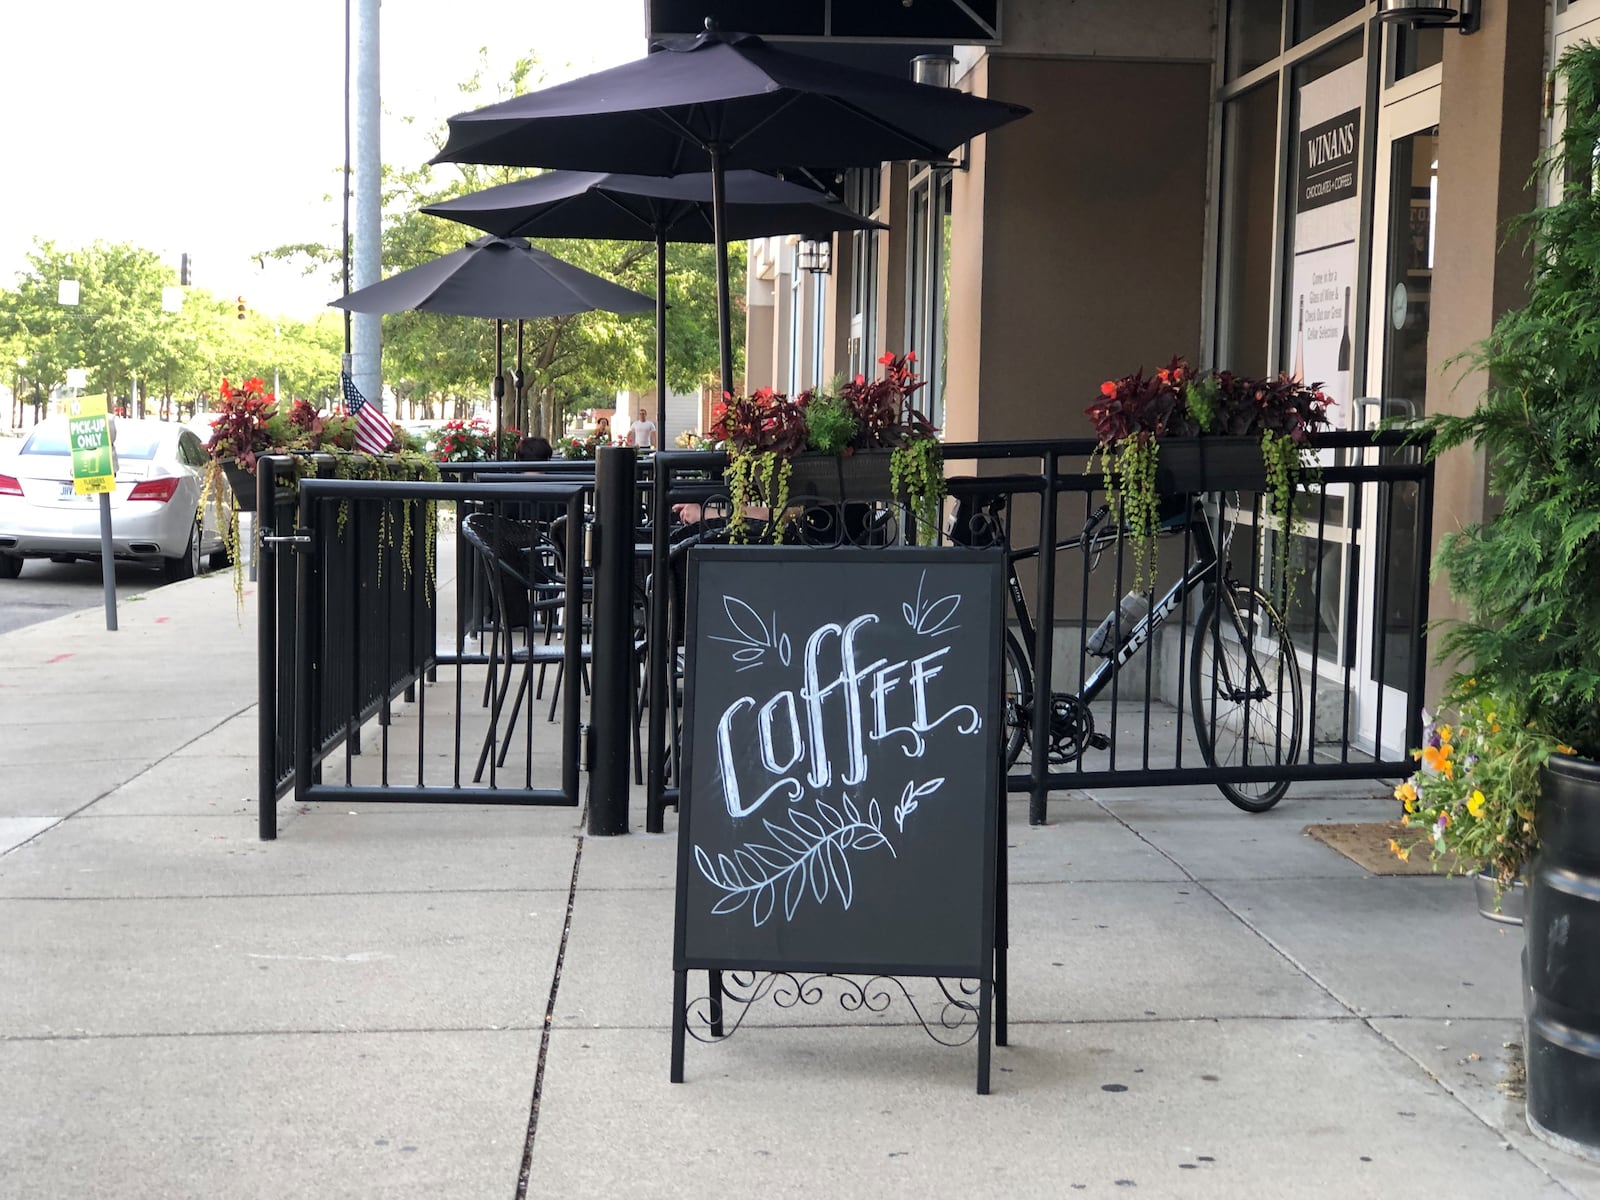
(1327, 167)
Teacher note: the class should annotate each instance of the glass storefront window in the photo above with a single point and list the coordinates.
(1416, 49)
(863, 193)
(1313, 16)
(1250, 198)
(1255, 34)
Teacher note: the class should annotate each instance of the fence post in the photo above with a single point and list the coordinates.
(612, 639)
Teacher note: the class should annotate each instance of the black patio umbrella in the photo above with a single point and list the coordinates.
(674, 208)
(718, 102)
(501, 279)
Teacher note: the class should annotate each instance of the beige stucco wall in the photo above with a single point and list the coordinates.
(1079, 236)
(1489, 135)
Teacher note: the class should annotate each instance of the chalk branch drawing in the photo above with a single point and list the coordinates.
(934, 618)
(807, 855)
(755, 636)
(818, 739)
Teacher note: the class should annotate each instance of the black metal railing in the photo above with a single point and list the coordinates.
(350, 623)
(1160, 710)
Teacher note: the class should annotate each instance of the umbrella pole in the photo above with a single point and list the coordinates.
(518, 415)
(661, 326)
(719, 234)
(499, 385)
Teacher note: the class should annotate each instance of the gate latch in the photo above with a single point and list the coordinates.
(300, 539)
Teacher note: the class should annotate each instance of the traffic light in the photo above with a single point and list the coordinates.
(241, 308)
(183, 270)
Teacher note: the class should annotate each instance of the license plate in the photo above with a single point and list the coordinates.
(68, 494)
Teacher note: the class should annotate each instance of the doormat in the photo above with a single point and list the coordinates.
(1367, 845)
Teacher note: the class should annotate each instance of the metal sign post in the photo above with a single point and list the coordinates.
(94, 470)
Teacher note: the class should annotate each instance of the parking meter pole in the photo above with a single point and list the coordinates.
(108, 563)
(612, 640)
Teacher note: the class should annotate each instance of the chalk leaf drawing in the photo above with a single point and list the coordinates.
(908, 799)
(933, 617)
(755, 636)
(810, 854)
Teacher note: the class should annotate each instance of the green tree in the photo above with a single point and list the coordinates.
(444, 365)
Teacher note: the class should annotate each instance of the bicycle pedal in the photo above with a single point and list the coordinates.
(1099, 741)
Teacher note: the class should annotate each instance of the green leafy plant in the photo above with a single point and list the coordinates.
(1527, 575)
(1471, 800)
(763, 432)
(1133, 414)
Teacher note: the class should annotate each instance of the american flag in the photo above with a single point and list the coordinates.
(373, 431)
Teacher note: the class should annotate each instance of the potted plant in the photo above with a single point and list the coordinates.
(1526, 577)
(861, 439)
(1471, 800)
(1178, 431)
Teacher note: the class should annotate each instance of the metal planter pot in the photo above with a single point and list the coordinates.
(1561, 960)
(1210, 464)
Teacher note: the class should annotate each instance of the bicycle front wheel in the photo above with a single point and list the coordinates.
(1244, 689)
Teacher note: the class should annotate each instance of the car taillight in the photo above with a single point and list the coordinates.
(155, 489)
(9, 486)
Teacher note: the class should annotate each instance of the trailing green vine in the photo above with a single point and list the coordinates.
(1287, 471)
(1129, 467)
(916, 471)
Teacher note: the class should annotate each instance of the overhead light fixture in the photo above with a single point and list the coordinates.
(1421, 15)
(814, 256)
(939, 70)
(935, 70)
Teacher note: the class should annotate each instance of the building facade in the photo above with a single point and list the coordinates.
(1255, 185)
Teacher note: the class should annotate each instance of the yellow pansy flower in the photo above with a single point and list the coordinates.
(1399, 851)
(1475, 803)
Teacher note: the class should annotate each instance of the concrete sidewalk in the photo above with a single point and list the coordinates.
(415, 1001)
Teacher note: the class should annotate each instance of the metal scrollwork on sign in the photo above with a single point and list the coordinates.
(954, 1024)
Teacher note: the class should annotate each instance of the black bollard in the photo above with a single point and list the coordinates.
(612, 640)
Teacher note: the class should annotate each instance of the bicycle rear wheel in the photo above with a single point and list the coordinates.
(1018, 683)
(1244, 690)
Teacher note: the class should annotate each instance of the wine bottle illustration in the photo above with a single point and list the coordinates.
(1344, 338)
(1300, 341)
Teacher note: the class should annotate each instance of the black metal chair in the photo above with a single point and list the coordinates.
(523, 568)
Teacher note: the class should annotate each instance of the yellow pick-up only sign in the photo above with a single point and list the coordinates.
(94, 465)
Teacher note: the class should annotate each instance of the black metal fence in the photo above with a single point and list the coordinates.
(1275, 652)
(350, 623)
(1260, 653)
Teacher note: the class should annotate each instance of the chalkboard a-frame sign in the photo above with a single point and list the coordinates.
(841, 800)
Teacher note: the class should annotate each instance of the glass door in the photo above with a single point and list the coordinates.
(1388, 527)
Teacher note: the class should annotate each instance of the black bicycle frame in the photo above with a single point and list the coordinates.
(1195, 575)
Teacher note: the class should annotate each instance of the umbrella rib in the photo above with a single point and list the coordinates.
(934, 152)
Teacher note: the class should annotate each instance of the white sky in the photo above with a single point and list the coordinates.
(216, 127)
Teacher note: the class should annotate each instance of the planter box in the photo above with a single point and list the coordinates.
(837, 478)
(1210, 464)
(243, 484)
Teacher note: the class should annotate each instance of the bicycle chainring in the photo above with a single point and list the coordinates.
(1071, 727)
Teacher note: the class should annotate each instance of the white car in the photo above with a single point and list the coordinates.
(154, 511)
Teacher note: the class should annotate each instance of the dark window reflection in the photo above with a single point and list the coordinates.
(1255, 34)
(1313, 16)
(1250, 198)
(1415, 49)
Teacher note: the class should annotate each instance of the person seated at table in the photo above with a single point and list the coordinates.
(534, 449)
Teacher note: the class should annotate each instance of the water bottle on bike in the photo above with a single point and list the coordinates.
(1113, 632)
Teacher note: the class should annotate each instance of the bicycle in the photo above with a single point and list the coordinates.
(1244, 676)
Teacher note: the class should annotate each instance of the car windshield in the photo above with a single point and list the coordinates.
(133, 441)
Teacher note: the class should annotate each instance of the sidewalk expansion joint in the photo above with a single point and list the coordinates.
(549, 1020)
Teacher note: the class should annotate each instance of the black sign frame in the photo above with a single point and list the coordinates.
(969, 853)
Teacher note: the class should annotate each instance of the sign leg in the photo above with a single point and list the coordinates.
(985, 1016)
(680, 998)
(1002, 938)
(714, 979)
